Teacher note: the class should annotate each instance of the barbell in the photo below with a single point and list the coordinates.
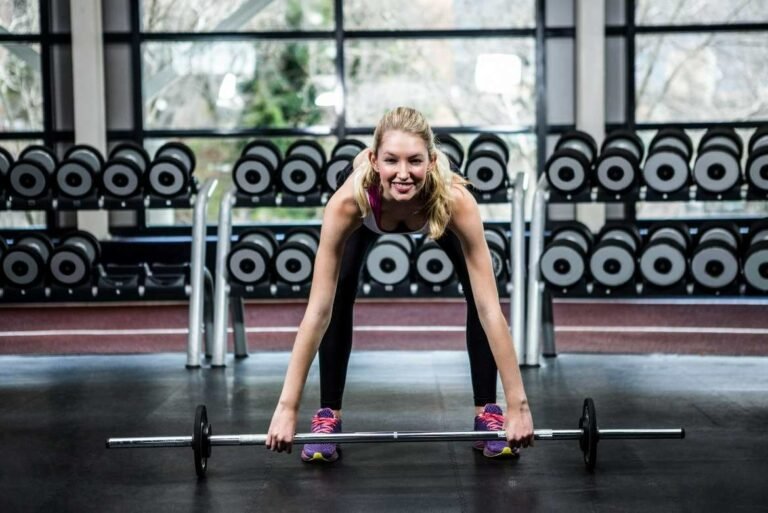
(203, 439)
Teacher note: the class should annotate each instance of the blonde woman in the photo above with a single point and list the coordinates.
(403, 184)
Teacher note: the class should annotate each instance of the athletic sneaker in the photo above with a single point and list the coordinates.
(492, 419)
(323, 422)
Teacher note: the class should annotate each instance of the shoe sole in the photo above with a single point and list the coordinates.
(506, 453)
(318, 457)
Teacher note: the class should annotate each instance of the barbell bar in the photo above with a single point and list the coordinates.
(203, 439)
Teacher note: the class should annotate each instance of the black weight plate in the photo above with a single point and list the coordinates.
(401, 239)
(486, 170)
(37, 241)
(580, 142)
(299, 174)
(132, 152)
(74, 178)
(433, 266)
(722, 136)
(757, 167)
(248, 263)
(334, 171)
(496, 236)
(727, 233)
(617, 170)
(85, 241)
(262, 237)
(388, 263)
(306, 236)
(310, 149)
(717, 169)
(165, 177)
(714, 264)
(347, 148)
(87, 154)
(69, 266)
(498, 261)
(666, 170)
(27, 179)
(42, 155)
(626, 233)
(179, 152)
(23, 267)
(252, 175)
(673, 138)
(563, 263)
(663, 262)
(201, 445)
(492, 143)
(293, 263)
(590, 434)
(677, 232)
(6, 159)
(121, 178)
(574, 231)
(624, 140)
(612, 263)
(452, 148)
(759, 138)
(266, 150)
(567, 171)
(756, 265)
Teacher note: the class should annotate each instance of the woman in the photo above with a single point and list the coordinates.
(403, 184)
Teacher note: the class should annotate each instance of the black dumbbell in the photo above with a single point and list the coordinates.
(664, 258)
(23, 264)
(755, 261)
(718, 161)
(499, 249)
(6, 161)
(347, 148)
(666, 168)
(249, 260)
(452, 149)
(715, 257)
(340, 164)
(124, 171)
(569, 168)
(432, 265)
(564, 261)
(389, 260)
(30, 176)
(254, 172)
(294, 259)
(617, 170)
(757, 161)
(73, 261)
(487, 159)
(300, 172)
(613, 261)
(170, 172)
(76, 175)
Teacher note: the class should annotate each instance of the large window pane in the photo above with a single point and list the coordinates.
(236, 15)
(21, 95)
(438, 14)
(20, 16)
(228, 85)
(453, 82)
(706, 77)
(682, 12)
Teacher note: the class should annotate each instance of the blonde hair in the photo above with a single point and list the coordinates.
(439, 178)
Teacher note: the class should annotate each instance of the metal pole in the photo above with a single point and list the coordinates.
(517, 295)
(197, 267)
(221, 294)
(535, 286)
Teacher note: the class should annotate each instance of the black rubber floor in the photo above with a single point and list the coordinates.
(56, 412)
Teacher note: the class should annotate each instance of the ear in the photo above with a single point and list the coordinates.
(372, 160)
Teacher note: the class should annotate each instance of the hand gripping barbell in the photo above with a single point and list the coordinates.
(203, 438)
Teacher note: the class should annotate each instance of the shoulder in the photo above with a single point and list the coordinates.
(462, 200)
(342, 205)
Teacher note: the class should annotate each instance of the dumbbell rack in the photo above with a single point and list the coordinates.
(231, 199)
(540, 335)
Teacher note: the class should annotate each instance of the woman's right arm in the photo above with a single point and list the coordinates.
(340, 219)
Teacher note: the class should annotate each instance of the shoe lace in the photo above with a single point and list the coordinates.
(323, 424)
(494, 421)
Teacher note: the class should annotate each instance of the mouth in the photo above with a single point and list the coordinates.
(402, 187)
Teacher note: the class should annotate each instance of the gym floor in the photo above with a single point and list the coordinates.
(57, 412)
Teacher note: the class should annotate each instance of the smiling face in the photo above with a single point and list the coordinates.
(401, 162)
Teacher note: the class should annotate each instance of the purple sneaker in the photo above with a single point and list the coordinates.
(323, 422)
(492, 419)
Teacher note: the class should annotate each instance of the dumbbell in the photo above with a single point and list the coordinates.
(499, 248)
(294, 259)
(389, 260)
(617, 170)
(300, 172)
(664, 258)
(432, 264)
(6, 160)
(755, 263)
(486, 167)
(124, 171)
(73, 261)
(29, 177)
(76, 175)
(569, 168)
(715, 257)
(563, 263)
(612, 262)
(666, 168)
(342, 156)
(254, 172)
(170, 172)
(249, 260)
(757, 161)
(23, 264)
(718, 161)
(452, 149)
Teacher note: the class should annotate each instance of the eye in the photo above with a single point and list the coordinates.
(390, 161)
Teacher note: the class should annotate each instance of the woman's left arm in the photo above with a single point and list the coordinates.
(468, 227)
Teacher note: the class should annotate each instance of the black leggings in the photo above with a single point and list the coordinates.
(336, 345)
